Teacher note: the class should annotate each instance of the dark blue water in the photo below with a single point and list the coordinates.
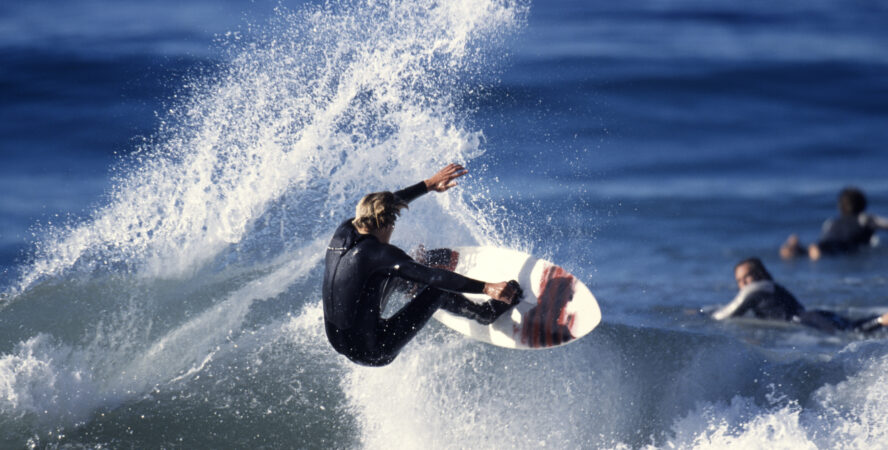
(171, 171)
(83, 84)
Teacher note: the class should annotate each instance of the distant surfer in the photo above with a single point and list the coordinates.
(363, 269)
(766, 299)
(848, 232)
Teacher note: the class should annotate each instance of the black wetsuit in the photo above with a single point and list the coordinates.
(361, 272)
(767, 300)
(846, 233)
(771, 301)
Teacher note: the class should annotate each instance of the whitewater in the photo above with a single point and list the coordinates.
(183, 308)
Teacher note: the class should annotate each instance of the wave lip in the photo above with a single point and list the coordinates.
(216, 223)
(309, 112)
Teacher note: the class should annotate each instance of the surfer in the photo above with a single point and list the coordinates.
(848, 232)
(768, 300)
(363, 270)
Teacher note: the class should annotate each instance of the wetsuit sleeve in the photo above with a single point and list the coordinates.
(439, 278)
(411, 193)
(403, 266)
(740, 304)
(877, 222)
(735, 307)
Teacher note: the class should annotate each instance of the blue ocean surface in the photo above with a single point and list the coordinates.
(171, 173)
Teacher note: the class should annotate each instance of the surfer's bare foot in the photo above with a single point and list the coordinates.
(814, 252)
(883, 319)
(791, 248)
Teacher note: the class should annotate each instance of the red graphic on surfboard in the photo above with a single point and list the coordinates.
(548, 323)
(556, 309)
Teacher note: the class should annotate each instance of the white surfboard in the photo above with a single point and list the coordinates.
(556, 308)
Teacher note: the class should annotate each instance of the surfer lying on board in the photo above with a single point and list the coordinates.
(850, 231)
(769, 300)
(363, 269)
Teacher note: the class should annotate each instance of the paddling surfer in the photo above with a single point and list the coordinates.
(765, 299)
(363, 269)
(851, 230)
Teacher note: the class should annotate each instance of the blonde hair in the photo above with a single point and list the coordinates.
(377, 210)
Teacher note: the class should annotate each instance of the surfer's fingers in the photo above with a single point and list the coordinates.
(449, 169)
(455, 171)
(449, 183)
(445, 185)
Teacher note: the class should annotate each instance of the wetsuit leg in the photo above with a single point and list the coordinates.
(831, 322)
(389, 336)
(392, 334)
(867, 325)
(401, 327)
(826, 321)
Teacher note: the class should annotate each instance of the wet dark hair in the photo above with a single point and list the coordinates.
(756, 269)
(852, 201)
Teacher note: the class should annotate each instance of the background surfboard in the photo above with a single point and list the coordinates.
(556, 308)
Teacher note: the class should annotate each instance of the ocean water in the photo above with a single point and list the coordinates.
(171, 173)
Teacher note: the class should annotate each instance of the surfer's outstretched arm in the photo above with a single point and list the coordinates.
(444, 179)
(439, 182)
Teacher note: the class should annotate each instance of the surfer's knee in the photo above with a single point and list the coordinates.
(375, 362)
(370, 357)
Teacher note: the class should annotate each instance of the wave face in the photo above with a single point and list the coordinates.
(315, 109)
(214, 229)
(183, 311)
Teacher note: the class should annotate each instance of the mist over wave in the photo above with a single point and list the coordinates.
(184, 310)
(321, 105)
(231, 202)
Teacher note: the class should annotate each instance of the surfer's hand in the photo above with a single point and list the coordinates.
(443, 180)
(506, 292)
(519, 293)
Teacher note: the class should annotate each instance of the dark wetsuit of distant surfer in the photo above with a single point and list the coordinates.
(765, 299)
(362, 270)
(847, 233)
(852, 230)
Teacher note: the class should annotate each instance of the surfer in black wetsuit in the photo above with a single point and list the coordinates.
(363, 269)
(847, 233)
(769, 300)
